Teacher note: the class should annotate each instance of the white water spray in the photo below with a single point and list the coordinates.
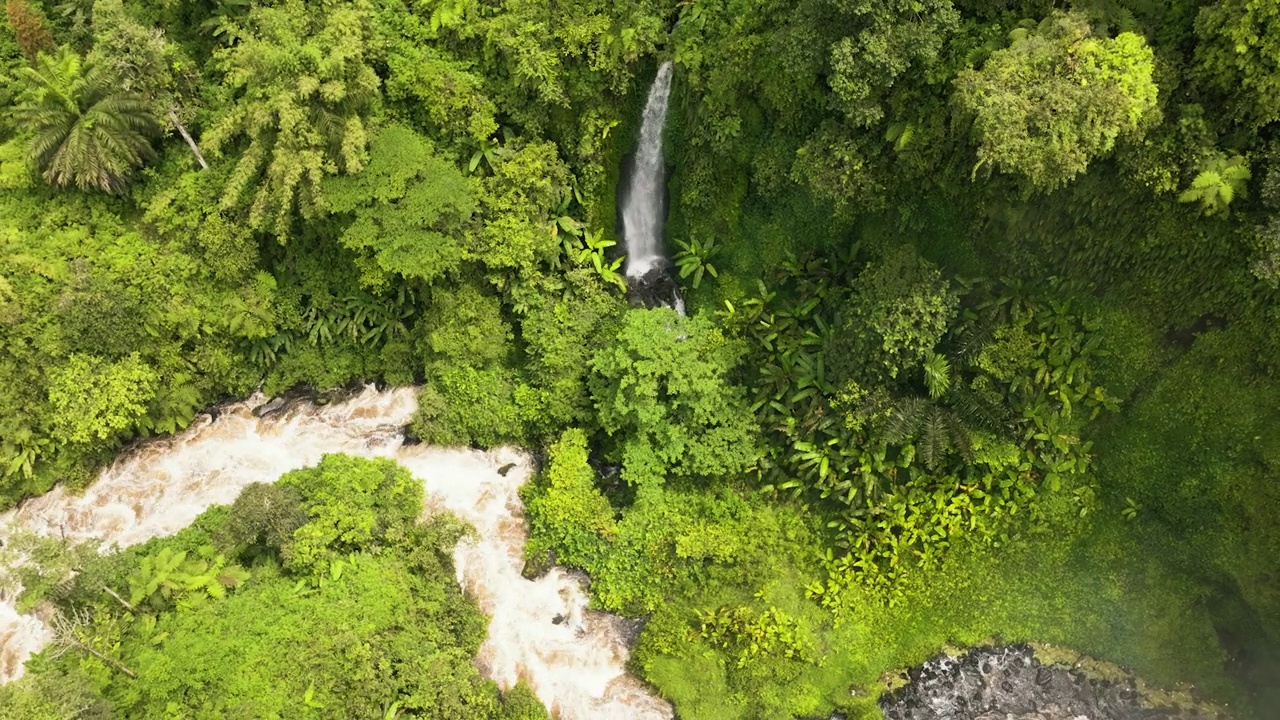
(576, 665)
(642, 209)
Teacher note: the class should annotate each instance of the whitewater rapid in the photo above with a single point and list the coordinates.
(576, 665)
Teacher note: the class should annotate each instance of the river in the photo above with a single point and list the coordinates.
(540, 630)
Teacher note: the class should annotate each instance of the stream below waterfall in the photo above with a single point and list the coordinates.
(540, 630)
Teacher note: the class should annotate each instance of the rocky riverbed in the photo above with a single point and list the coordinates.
(1013, 683)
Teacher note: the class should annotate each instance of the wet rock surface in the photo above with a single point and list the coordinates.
(1010, 683)
(656, 288)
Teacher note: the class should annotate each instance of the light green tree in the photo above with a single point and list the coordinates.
(1057, 98)
(296, 84)
(352, 503)
(409, 207)
(567, 513)
(95, 399)
(86, 132)
(663, 390)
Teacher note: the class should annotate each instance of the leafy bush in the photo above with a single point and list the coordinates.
(663, 391)
(565, 511)
(897, 313)
(351, 504)
(263, 518)
(1058, 98)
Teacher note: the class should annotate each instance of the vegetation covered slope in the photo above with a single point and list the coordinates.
(983, 300)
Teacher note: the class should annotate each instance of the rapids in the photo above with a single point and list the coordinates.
(540, 630)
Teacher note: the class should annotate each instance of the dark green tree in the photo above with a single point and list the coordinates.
(900, 309)
(1238, 53)
(144, 62)
(86, 132)
(893, 37)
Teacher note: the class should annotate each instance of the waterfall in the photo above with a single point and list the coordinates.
(642, 210)
(539, 630)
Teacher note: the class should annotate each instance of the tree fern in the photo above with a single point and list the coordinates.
(937, 375)
(1220, 181)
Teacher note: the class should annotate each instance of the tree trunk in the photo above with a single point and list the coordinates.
(108, 660)
(119, 599)
(173, 118)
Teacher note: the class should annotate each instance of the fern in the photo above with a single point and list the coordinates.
(935, 430)
(1219, 182)
(937, 375)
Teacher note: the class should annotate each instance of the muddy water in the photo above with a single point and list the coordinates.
(576, 665)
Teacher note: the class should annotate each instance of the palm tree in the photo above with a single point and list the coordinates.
(943, 422)
(86, 132)
(934, 429)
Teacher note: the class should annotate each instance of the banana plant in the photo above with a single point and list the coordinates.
(22, 451)
(562, 221)
(265, 352)
(609, 271)
(589, 250)
(694, 258)
(900, 134)
(491, 150)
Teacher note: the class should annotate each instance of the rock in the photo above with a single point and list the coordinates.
(506, 469)
(286, 400)
(536, 566)
(558, 619)
(988, 683)
(656, 288)
(270, 407)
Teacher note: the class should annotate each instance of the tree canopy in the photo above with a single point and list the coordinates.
(663, 390)
(980, 296)
(1058, 98)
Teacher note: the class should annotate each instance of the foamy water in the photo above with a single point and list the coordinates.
(575, 666)
(642, 208)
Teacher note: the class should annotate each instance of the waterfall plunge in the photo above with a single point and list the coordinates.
(576, 667)
(642, 211)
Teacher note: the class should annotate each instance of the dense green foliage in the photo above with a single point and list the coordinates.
(982, 337)
(1057, 98)
(661, 389)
